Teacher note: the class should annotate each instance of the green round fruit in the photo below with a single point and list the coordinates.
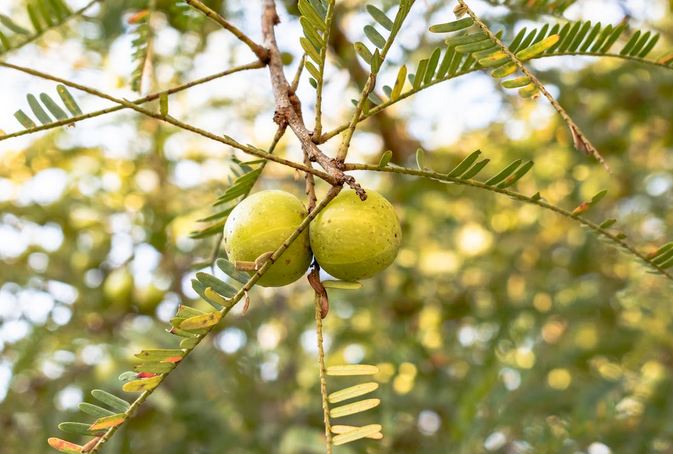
(354, 239)
(260, 224)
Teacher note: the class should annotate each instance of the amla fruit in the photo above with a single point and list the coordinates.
(354, 239)
(260, 224)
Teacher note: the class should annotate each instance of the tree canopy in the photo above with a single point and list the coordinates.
(524, 145)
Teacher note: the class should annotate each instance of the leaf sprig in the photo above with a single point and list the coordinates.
(464, 173)
(44, 15)
(47, 104)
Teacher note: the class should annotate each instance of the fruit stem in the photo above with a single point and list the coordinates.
(323, 374)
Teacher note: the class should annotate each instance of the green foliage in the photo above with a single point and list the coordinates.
(315, 28)
(141, 43)
(43, 15)
(498, 317)
(381, 39)
(246, 175)
(51, 106)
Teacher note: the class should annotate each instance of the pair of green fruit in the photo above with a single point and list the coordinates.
(350, 238)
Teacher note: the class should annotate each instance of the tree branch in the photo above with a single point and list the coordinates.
(288, 106)
(249, 149)
(381, 107)
(224, 311)
(148, 98)
(616, 239)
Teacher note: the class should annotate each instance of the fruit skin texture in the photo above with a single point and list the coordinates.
(354, 239)
(260, 224)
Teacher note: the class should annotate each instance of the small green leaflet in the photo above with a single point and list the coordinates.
(38, 109)
(452, 26)
(344, 285)
(385, 159)
(110, 400)
(94, 410)
(420, 158)
(77, 428)
(380, 17)
(465, 164)
(507, 171)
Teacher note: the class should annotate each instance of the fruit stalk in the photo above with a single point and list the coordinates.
(323, 373)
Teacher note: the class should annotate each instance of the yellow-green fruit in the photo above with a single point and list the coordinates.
(260, 224)
(354, 239)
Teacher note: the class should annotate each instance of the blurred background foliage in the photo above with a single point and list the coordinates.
(500, 328)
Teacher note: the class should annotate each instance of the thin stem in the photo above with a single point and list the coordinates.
(148, 98)
(614, 238)
(309, 184)
(224, 311)
(261, 52)
(323, 374)
(57, 24)
(168, 119)
(329, 16)
(581, 141)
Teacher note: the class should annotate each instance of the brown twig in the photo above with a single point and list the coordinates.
(288, 106)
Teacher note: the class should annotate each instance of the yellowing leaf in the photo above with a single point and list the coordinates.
(214, 296)
(537, 48)
(352, 391)
(357, 433)
(353, 408)
(64, 446)
(108, 421)
(340, 429)
(666, 59)
(201, 321)
(144, 384)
